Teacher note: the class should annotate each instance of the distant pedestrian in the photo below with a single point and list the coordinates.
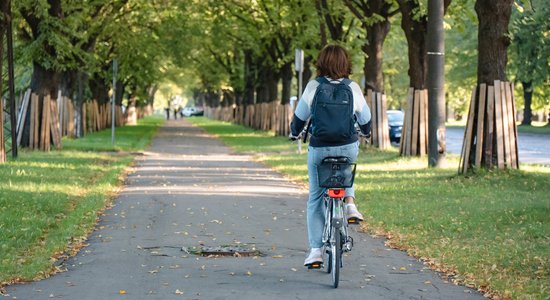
(333, 67)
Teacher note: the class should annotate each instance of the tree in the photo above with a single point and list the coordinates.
(531, 49)
(414, 22)
(491, 134)
(375, 20)
(47, 36)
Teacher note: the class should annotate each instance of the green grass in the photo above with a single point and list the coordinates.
(534, 129)
(50, 201)
(492, 229)
(127, 138)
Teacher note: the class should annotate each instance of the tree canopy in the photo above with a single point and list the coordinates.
(242, 52)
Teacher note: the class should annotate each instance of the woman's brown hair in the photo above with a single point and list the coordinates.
(333, 61)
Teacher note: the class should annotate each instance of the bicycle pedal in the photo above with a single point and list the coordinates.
(315, 266)
(353, 221)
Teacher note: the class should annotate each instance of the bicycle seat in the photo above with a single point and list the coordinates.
(336, 159)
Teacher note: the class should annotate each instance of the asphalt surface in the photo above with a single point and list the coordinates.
(532, 148)
(187, 191)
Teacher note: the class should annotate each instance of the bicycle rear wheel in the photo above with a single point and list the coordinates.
(336, 257)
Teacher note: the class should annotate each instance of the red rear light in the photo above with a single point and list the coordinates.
(336, 193)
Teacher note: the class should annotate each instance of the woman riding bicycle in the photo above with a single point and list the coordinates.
(334, 67)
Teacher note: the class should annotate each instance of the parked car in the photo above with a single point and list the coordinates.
(187, 111)
(191, 111)
(395, 122)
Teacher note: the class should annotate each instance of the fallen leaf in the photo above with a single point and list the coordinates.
(122, 292)
(178, 292)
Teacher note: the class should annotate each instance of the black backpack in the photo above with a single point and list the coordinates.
(332, 111)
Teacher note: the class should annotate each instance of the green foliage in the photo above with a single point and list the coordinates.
(460, 55)
(396, 79)
(200, 44)
(530, 49)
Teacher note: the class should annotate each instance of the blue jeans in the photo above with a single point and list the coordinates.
(315, 209)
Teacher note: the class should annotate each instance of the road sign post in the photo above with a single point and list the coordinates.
(299, 67)
(113, 115)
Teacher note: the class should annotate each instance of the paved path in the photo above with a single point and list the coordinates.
(189, 190)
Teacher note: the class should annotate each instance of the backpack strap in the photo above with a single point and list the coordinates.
(322, 79)
(346, 81)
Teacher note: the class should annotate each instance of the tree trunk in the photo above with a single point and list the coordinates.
(490, 139)
(119, 95)
(376, 34)
(100, 91)
(248, 78)
(286, 75)
(415, 29)
(307, 73)
(493, 39)
(262, 92)
(81, 78)
(44, 82)
(271, 83)
(527, 97)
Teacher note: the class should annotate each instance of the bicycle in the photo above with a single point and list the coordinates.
(336, 174)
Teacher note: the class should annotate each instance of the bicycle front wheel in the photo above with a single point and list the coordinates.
(336, 257)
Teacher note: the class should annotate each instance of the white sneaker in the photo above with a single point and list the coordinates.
(353, 213)
(315, 256)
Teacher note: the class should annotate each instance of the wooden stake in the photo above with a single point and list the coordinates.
(511, 126)
(408, 123)
(33, 137)
(498, 125)
(515, 145)
(505, 125)
(54, 124)
(23, 115)
(421, 125)
(385, 126)
(416, 118)
(480, 121)
(84, 120)
(45, 125)
(70, 123)
(489, 137)
(380, 118)
(466, 145)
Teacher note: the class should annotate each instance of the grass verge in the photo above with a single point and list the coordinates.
(489, 230)
(50, 201)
